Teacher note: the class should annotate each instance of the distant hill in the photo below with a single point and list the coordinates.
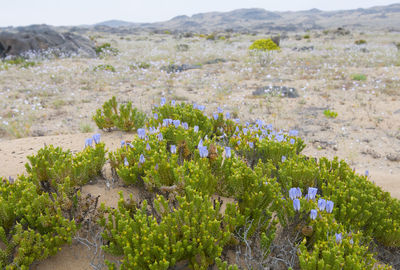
(260, 20)
(256, 19)
(115, 23)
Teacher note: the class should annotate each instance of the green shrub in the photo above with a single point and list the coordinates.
(360, 42)
(106, 67)
(199, 233)
(264, 45)
(306, 36)
(32, 226)
(359, 77)
(330, 114)
(106, 49)
(125, 117)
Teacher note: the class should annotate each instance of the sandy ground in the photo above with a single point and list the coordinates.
(53, 102)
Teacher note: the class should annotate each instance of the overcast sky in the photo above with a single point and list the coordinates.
(76, 12)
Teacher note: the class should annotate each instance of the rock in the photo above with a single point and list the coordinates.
(341, 31)
(298, 37)
(215, 61)
(276, 91)
(393, 157)
(276, 39)
(372, 153)
(304, 48)
(179, 68)
(23, 41)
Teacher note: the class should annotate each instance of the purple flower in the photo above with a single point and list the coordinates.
(338, 237)
(245, 130)
(177, 123)
(126, 163)
(215, 115)
(200, 143)
(227, 115)
(321, 204)
(237, 120)
(122, 143)
(219, 109)
(196, 129)
(185, 125)
(366, 173)
(96, 138)
(238, 142)
(155, 115)
(269, 127)
(228, 153)
(201, 107)
(279, 137)
(293, 133)
(329, 206)
(173, 102)
(129, 144)
(312, 192)
(141, 159)
(141, 133)
(313, 214)
(173, 149)
(351, 241)
(148, 147)
(160, 137)
(296, 204)
(88, 142)
(203, 151)
(294, 193)
(283, 159)
(162, 103)
(251, 144)
(292, 141)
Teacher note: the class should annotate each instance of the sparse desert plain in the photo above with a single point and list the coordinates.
(347, 101)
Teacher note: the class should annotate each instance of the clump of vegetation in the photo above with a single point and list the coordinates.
(360, 42)
(210, 37)
(330, 114)
(264, 45)
(105, 67)
(18, 61)
(106, 49)
(263, 50)
(42, 211)
(125, 117)
(182, 47)
(306, 36)
(359, 77)
(140, 65)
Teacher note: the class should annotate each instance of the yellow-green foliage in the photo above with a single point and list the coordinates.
(256, 167)
(264, 45)
(335, 248)
(32, 226)
(195, 230)
(125, 117)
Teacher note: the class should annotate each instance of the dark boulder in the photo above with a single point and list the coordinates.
(23, 41)
(173, 68)
(276, 40)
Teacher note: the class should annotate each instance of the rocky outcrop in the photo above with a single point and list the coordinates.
(37, 39)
